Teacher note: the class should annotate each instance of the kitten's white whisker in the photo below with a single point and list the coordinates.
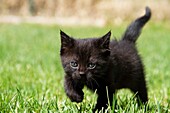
(95, 81)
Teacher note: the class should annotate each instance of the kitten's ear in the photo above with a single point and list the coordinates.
(66, 42)
(105, 40)
(104, 43)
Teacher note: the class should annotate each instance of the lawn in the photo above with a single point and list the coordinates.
(31, 76)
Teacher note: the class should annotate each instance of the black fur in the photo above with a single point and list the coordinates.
(101, 64)
(134, 29)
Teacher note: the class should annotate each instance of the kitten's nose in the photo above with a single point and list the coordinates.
(81, 73)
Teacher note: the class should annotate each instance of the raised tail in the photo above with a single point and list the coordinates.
(134, 29)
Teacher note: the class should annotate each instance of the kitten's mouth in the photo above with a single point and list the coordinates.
(82, 78)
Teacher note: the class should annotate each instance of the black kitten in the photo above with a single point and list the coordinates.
(104, 65)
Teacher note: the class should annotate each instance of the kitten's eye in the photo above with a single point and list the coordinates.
(73, 64)
(91, 65)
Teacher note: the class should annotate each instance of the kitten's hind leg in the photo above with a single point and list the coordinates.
(141, 92)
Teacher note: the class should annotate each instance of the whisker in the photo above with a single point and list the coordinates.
(95, 81)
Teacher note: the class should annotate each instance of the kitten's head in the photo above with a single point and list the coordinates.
(85, 59)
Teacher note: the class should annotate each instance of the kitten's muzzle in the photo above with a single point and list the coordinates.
(79, 76)
(82, 74)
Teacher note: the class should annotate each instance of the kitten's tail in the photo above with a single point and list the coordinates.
(134, 29)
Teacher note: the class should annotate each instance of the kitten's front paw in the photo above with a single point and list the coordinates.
(74, 97)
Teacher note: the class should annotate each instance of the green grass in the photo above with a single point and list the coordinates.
(31, 76)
